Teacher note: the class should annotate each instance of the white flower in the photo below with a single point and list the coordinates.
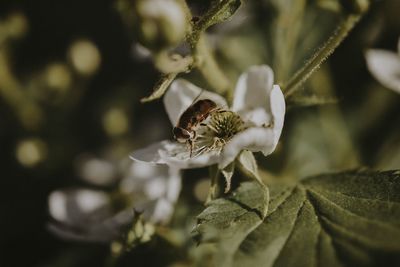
(385, 67)
(95, 215)
(254, 122)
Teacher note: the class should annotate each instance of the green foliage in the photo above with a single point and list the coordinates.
(230, 219)
(343, 219)
(219, 12)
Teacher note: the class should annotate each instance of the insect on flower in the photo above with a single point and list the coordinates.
(215, 132)
(191, 118)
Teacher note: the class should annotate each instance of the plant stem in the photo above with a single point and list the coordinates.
(321, 55)
(210, 70)
(204, 58)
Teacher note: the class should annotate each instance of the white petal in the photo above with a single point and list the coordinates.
(163, 211)
(385, 67)
(181, 95)
(253, 139)
(90, 200)
(174, 185)
(256, 117)
(142, 170)
(155, 187)
(278, 107)
(182, 160)
(96, 231)
(253, 89)
(150, 154)
(77, 205)
(175, 155)
(58, 205)
(97, 171)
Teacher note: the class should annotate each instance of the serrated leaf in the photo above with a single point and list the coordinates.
(344, 219)
(229, 220)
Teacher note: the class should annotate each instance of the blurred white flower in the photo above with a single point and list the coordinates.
(99, 216)
(385, 67)
(254, 122)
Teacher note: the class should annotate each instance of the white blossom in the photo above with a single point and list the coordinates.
(97, 215)
(254, 122)
(385, 67)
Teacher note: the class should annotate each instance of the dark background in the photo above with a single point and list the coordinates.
(68, 131)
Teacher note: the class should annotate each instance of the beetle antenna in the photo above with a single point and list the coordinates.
(197, 97)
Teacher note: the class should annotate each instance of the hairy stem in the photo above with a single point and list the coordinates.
(321, 55)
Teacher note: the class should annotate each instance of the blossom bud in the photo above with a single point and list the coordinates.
(161, 23)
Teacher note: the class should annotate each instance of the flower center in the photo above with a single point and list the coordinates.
(217, 130)
(225, 124)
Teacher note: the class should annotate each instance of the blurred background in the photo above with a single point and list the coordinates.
(72, 74)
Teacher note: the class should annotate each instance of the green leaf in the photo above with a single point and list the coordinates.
(225, 10)
(229, 220)
(161, 87)
(220, 11)
(343, 219)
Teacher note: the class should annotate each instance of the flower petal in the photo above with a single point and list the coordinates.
(253, 139)
(163, 211)
(98, 231)
(174, 185)
(175, 155)
(78, 206)
(253, 89)
(182, 160)
(278, 107)
(258, 117)
(385, 67)
(181, 95)
(150, 154)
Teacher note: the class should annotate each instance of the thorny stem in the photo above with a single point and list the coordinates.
(322, 54)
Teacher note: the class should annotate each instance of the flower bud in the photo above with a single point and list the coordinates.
(161, 23)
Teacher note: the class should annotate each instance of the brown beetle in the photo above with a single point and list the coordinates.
(185, 130)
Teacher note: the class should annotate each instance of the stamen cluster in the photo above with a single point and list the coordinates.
(217, 131)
